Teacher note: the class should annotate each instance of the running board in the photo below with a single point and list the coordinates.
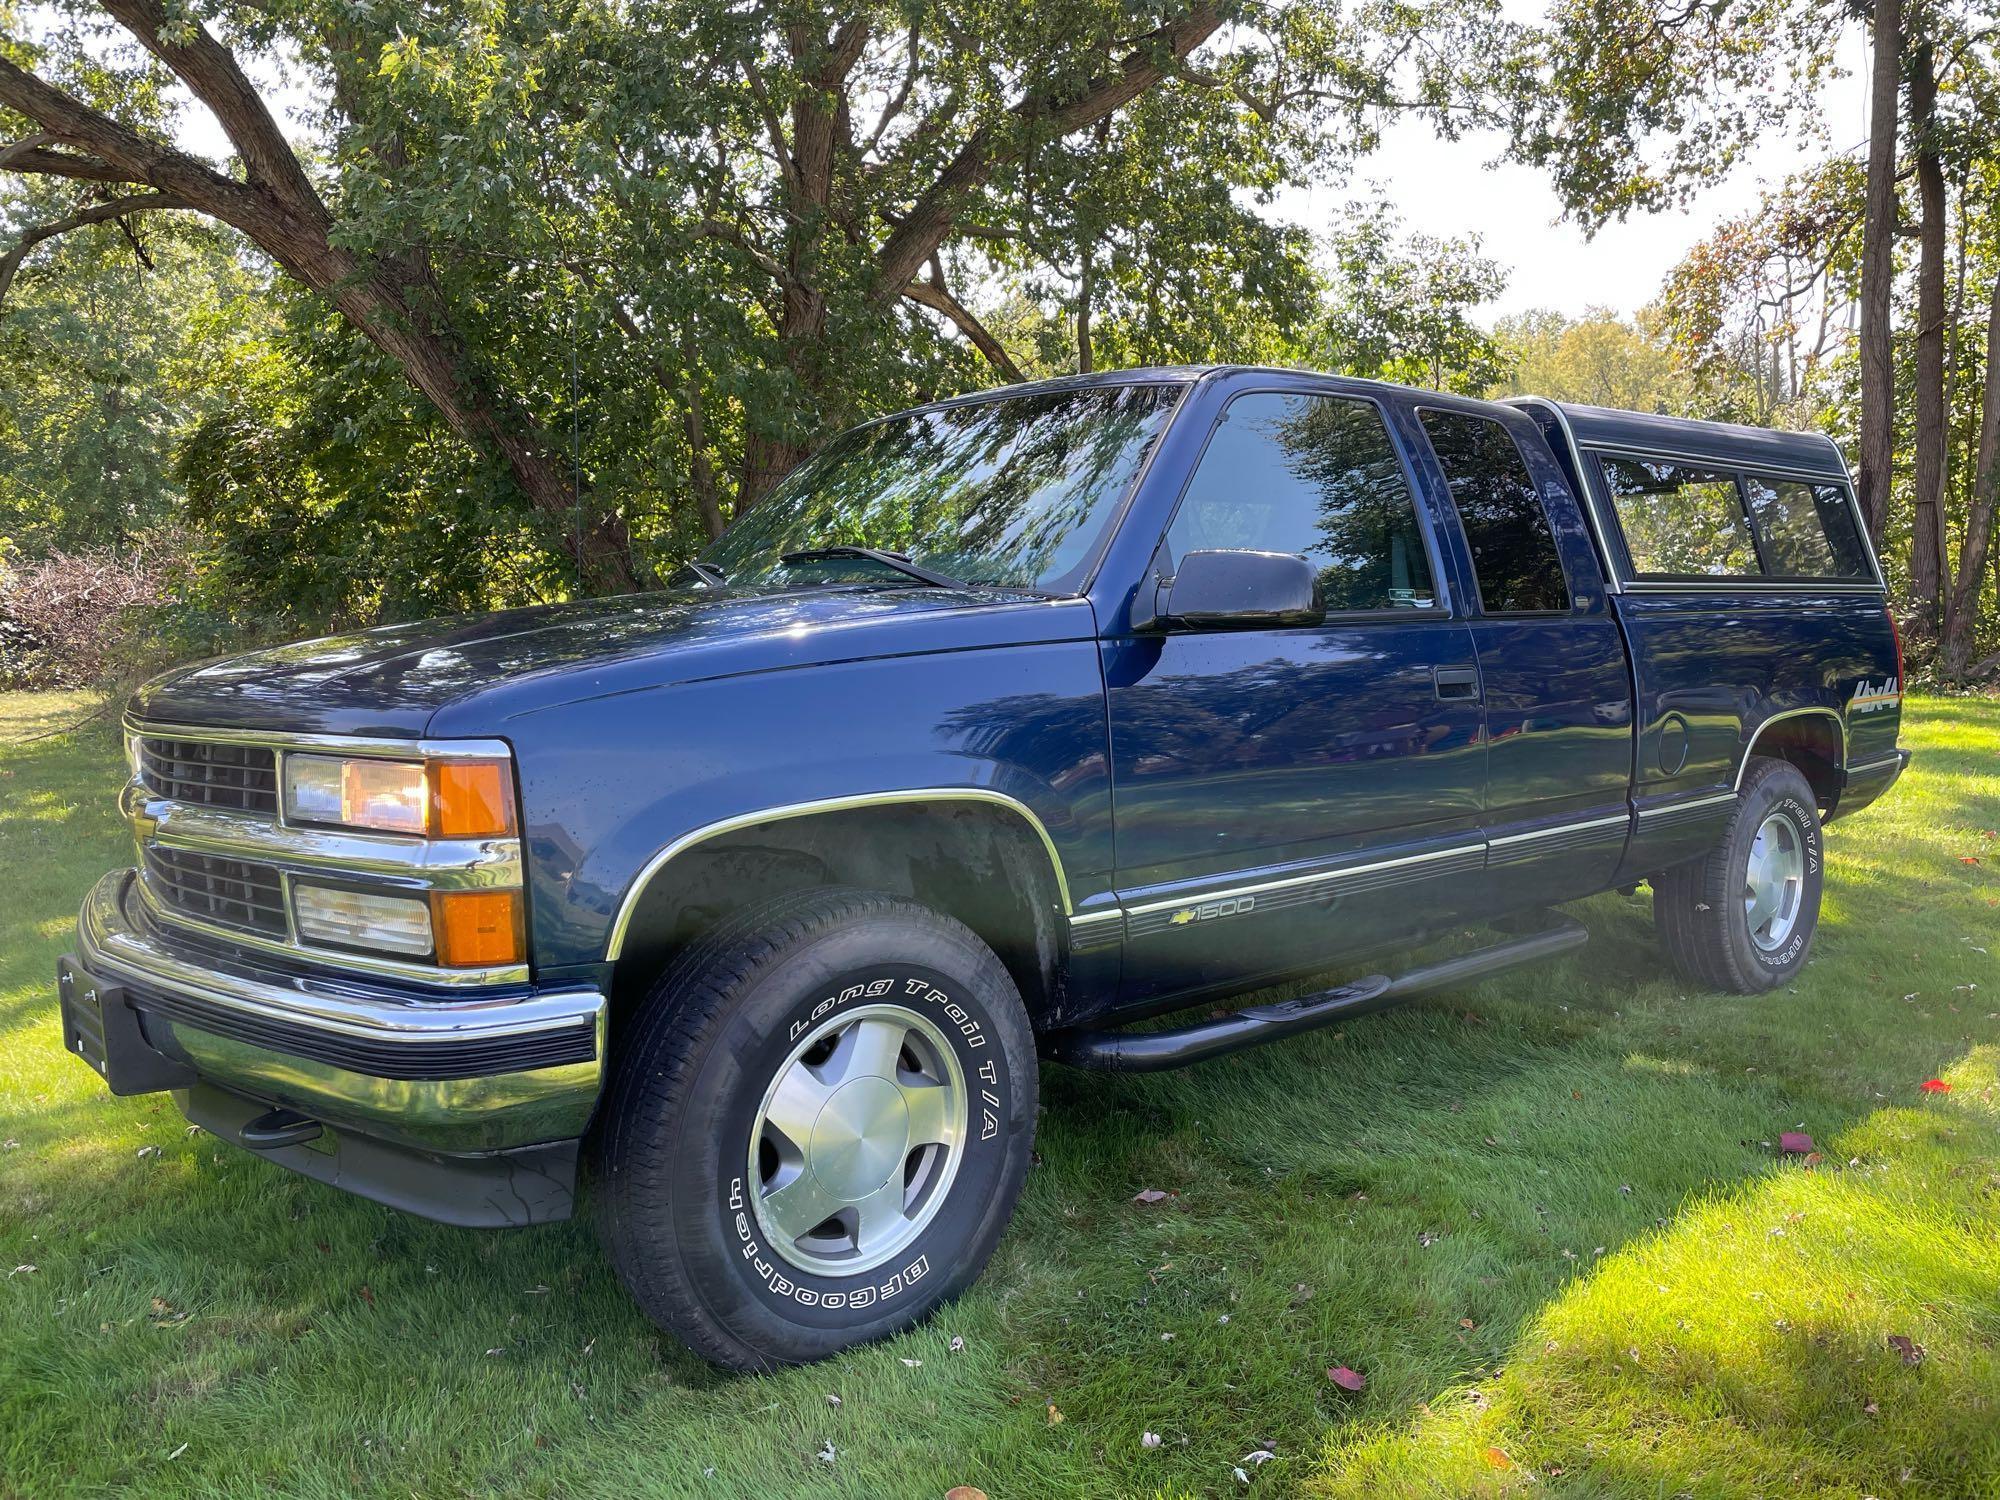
(1152, 1051)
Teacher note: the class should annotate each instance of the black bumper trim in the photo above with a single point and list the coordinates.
(441, 1058)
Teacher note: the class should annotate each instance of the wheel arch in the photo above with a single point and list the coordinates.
(979, 855)
(1812, 739)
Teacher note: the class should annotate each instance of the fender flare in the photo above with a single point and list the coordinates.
(1750, 749)
(636, 891)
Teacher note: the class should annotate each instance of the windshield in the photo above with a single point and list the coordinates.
(1011, 492)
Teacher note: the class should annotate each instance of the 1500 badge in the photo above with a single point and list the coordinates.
(1233, 906)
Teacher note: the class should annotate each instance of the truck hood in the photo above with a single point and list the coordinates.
(468, 674)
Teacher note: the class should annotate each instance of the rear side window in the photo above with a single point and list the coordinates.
(1807, 529)
(1513, 551)
(1316, 476)
(1681, 521)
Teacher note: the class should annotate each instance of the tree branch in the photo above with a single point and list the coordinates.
(117, 153)
(895, 106)
(932, 294)
(717, 229)
(787, 166)
(26, 156)
(930, 218)
(97, 213)
(212, 72)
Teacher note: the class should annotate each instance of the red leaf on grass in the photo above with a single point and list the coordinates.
(1346, 1379)
(1935, 1086)
(1795, 1143)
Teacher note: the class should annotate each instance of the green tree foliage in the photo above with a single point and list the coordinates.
(1599, 359)
(638, 263)
(1402, 305)
(106, 353)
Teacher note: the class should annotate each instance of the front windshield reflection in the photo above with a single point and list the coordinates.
(1014, 491)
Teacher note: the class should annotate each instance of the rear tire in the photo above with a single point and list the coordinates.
(818, 1128)
(1743, 917)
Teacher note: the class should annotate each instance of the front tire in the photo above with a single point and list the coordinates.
(1743, 917)
(818, 1128)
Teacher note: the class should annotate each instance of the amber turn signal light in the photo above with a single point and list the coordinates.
(471, 799)
(474, 929)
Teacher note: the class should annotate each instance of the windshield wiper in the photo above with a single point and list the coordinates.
(895, 560)
(708, 573)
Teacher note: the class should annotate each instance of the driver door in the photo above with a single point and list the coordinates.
(1282, 795)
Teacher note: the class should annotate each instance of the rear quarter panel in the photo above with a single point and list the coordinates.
(1714, 666)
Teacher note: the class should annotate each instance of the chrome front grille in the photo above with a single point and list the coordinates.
(239, 893)
(211, 773)
(217, 854)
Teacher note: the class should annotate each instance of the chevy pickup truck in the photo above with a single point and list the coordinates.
(997, 727)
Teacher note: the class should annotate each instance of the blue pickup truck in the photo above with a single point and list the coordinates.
(998, 727)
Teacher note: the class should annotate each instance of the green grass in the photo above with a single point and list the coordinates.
(1545, 1217)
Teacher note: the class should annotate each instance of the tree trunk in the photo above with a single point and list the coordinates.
(1970, 581)
(1927, 540)
(1878, 269)
(599, 545)
(1086, 360)
(700, 472)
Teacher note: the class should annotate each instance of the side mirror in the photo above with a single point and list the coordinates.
(1241, 590)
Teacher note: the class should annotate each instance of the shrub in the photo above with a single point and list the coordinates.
(68, 619)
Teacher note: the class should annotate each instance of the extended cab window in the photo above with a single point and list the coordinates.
(1513, 551)
(1316, 476)
(1807, 529)
(1680, 521)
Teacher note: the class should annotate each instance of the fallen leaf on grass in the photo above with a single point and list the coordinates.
(367, 1295)
(1148, 1196)
(1346, 1379)
(964, 1492)
(1872, 1409)
(1498, 1458)
(913, 1364)
(1909, 1348)
(1934, 1086)
(1795, 1143)
(833, 1400)
(1257, 1456)
(1054, 1416)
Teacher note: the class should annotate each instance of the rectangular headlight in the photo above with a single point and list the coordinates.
(393, 795)
(335, 917)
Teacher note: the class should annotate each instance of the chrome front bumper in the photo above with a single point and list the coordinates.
(439, 1073)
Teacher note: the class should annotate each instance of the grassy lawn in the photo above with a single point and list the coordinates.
(1546, 1219)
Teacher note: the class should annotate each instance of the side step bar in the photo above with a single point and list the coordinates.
(1152, 1051)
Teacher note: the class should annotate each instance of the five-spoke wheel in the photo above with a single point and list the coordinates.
(858, 1138)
